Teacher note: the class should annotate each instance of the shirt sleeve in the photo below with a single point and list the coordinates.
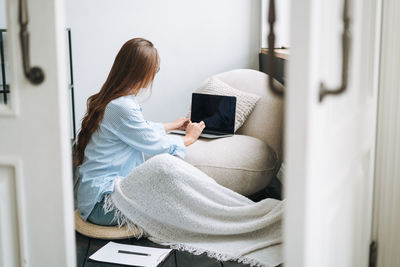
(158, 126)
(148, 137)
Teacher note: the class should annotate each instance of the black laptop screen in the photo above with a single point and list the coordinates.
(217, 112)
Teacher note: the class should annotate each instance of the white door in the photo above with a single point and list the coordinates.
(330, 143)
(36, 199)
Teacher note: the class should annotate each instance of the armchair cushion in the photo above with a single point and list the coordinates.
(266, 120)
(241, 163)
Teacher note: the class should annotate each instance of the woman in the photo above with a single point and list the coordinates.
(114, 135)
(171, 201)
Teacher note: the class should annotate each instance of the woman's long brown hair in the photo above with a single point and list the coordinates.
(134, 68)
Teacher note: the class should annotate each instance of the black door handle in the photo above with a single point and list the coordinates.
(34, 74)
(271, 47)
(346, 38)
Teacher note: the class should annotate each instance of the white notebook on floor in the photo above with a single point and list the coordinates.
(130, 255)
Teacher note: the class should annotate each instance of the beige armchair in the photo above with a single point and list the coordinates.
(248, 161)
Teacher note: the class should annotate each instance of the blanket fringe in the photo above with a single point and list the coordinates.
(120, 218)
(211, 254)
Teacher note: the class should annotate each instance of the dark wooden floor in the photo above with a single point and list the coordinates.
(85, 246)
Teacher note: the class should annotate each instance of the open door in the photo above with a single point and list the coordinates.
(331, 103)
(36, 199)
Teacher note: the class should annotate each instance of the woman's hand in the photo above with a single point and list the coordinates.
(193, 131)
(179, 124)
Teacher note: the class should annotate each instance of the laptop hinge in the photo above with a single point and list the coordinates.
(215, 133)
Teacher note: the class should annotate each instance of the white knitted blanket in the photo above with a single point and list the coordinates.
(178, 205)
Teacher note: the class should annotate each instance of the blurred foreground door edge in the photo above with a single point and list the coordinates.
(387, 172)
(36, 198)
(330, 144)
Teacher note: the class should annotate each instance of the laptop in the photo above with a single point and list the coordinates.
(217, 112)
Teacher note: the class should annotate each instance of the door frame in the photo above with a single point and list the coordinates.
(35, 162)
(387, 170)
(297, 102)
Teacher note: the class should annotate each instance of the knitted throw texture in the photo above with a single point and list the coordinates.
(176, 204)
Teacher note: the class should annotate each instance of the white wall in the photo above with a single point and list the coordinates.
(282, 23)
(3, 17)
(3, 25)
(196, 39)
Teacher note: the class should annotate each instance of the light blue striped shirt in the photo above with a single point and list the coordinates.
(117, 147)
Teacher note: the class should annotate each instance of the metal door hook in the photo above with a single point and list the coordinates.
(346, 38)
(271, 47)
(34, 74)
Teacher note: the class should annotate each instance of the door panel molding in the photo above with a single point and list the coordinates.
(13, 249)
